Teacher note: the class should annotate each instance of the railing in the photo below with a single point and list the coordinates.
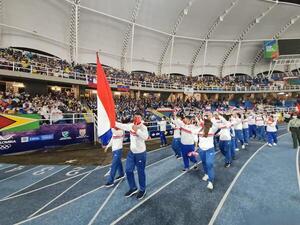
(151, 85)
(278, 109)
(36, 68)
(42, 70)
(70, 118)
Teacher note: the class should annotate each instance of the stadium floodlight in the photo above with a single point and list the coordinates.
(186, 11)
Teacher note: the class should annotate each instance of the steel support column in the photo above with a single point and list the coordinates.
(171, 54)
(76, 34)
(237, 57)
(204, 57)
(131, 48)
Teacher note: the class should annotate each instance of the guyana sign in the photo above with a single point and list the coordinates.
(18, 123)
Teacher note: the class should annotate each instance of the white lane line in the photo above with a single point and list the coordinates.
(65, 191)
(7, 178)
(60, 206)
(159, 161)
(148, 152)
(50, 175)
(219, 207)
(75, 199)
(6, 167)
(104, 203)
(159, 149)
(32, 215)
(107, 174)
(297, 167)
(46, 186)
(61, 181)
(150, 196)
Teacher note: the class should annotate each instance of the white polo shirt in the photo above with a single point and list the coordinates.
(137, 139)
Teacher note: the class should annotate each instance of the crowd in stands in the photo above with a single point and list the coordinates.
(36, 63)
(54, 104)
(126, 106)
(57, 104)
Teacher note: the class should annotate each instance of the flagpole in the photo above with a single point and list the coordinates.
(96, 114)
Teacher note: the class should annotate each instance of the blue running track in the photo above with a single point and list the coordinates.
(265, 189)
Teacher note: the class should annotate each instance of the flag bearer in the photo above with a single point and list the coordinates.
(136, 156)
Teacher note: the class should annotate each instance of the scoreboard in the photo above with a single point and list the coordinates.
(289, 47)
(289, 1)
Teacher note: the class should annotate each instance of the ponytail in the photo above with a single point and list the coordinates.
(207, 126)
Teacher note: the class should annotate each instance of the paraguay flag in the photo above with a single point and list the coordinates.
(105, 106)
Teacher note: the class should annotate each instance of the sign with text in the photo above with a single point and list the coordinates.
(46, 136)
(271, 50)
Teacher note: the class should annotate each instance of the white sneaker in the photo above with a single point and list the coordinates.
(210, 185)
(237, 149)
(274, 144)
(243, 146)
(205, 177)
(270, 144)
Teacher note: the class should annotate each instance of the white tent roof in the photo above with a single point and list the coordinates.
(103, 25)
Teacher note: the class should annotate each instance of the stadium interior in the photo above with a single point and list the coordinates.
(81, 80)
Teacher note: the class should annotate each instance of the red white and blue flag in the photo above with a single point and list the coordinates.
(105, 106)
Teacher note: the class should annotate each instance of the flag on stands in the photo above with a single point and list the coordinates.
(298, 108)
(105, 106)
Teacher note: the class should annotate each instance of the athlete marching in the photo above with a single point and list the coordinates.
(117, 145)
(207, 151)
(136, 156)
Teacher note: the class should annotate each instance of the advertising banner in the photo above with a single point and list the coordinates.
(271, 49)
(46, 136)
(293, 81)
